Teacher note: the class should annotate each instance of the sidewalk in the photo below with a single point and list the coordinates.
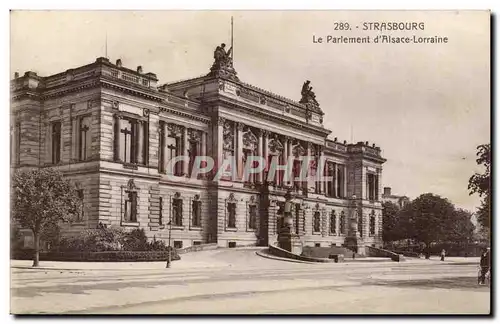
(187, 261)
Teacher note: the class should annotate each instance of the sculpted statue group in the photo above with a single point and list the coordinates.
(223, 63)
(308, 95)
(222, 58)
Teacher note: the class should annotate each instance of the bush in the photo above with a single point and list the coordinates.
(136, 240)
(106, 256)
(94, 240)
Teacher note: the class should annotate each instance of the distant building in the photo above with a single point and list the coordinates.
(401, 201)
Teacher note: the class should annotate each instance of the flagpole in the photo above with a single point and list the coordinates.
(232, 51)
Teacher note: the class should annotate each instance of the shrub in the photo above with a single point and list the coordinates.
(105, 256)
(136, 240)
(94, 240)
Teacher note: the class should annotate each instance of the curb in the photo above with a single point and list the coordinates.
(272, 257)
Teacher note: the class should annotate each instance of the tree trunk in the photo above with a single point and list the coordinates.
(36, 256)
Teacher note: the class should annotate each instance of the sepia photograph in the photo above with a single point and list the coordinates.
(271, 162)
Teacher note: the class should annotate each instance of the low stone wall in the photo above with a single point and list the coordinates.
(376, 252)
(276, 251)
(325, 252)
(196, 248)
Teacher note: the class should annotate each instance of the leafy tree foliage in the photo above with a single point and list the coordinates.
(481, 184)
(392, 229)
(427, 218)
(42, 199)
(460, 230)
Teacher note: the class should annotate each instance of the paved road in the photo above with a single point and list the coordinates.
(243, 283)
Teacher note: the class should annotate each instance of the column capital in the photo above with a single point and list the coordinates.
(240, 126)
(221, 121)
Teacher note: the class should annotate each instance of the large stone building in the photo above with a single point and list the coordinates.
(113, 130)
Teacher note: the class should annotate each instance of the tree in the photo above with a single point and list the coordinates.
(481, 184)
(391, 230)
(42, 199)
(427, 218)
(460, 230)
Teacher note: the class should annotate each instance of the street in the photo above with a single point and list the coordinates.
(237, 281)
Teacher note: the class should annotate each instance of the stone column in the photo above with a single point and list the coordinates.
(75, 131)
(239, 149)
(379, 184)
(308, 156)
(285, 156)
(265, 150)
(116, 147)
(185, 164)
(320, 172)
(260, 175)
(344, 181)
(219, 140)
(165, 146)
(140, 139)
(203, 143)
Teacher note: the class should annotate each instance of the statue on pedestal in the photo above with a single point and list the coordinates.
(223, 63)
(308, 95)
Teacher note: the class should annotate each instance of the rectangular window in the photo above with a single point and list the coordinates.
(340, 182)
(160, 216)
(196, 212)
(232, 244)
(372, 225)
(177, 211)
(174, 149)
(130, 212)
(231, 215)
(56, 142)
(131, 144)
(84, 138)
(82, 210)
(342, 223)
(333, 223)
(178, 244)
(371, 186)
(317, 222)
(252, 220)
(196, 242)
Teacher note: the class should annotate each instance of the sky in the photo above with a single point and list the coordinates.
(426, 105)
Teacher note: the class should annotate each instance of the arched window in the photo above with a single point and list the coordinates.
(177, 209)
(317, 222)
(130, 205)
(342, 223)
(231, 211)
(252, 213)
(333, 222)
(372, 223)
(196, 211)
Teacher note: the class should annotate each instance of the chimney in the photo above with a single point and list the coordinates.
(335, 140)
(139, 69)
(119, 63)
(16, 75)
(387, 191)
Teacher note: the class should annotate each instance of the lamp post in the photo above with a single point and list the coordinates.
(169, 254)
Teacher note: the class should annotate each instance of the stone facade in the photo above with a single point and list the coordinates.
(112, 130)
